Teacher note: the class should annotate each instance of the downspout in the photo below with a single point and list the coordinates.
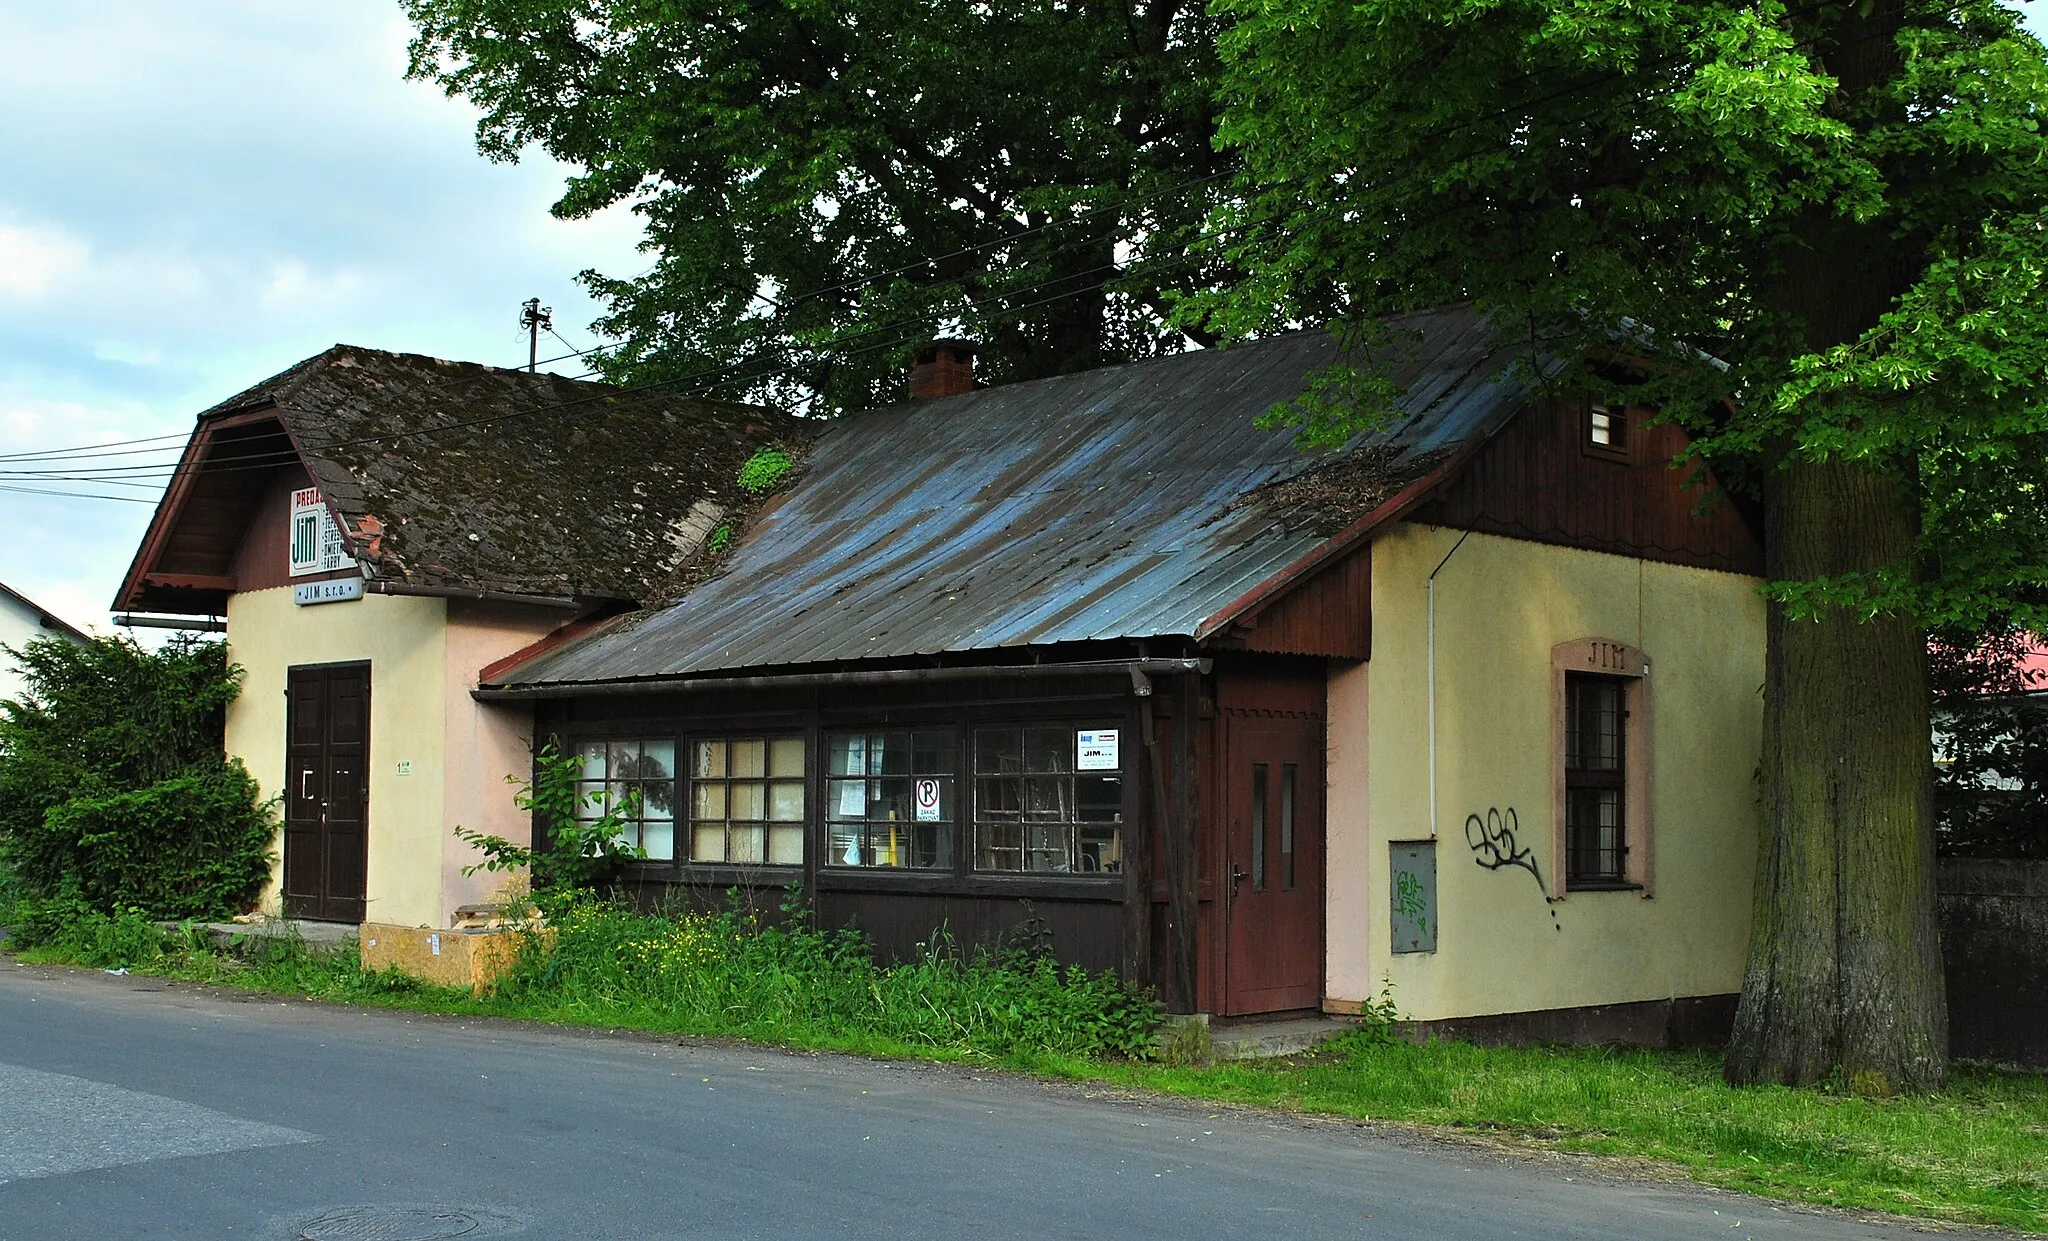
(1432, 676)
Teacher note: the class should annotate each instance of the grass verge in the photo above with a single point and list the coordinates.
(1975, 1154)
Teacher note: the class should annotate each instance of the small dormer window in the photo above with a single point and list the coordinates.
(1606, 431)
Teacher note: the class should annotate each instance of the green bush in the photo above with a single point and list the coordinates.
(115, 796)
(193, 846)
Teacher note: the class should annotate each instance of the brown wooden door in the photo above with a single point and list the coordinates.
(1273, 866)
(327, 748)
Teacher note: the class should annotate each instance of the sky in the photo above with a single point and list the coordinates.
(194, 196)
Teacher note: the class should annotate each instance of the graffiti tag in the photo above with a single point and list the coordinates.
(1408, 901)
(1493, 843)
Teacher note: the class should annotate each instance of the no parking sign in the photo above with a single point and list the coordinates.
(927, 801)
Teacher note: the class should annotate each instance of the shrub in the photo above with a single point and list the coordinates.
(114, 793)
(193, 846)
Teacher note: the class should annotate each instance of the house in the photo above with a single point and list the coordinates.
(1469, 710)
(374, 528)
(23, 620)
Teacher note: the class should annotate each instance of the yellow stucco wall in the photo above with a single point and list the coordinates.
(423, 655)
(1501, 606)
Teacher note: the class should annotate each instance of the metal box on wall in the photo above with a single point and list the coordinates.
(1411, 885)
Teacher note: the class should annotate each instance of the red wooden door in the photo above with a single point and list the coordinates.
(1273, 867)
(326, 836)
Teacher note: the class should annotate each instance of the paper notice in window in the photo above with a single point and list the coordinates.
(927, 801)
(1095, 750)
(853, 799)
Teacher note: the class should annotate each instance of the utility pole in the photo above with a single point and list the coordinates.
(534, 317)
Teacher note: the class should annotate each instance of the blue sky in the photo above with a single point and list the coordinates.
(194, 196)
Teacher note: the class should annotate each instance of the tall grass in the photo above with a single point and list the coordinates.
(730, 973)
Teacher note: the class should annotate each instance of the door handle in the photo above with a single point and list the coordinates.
(305, 782)
(1236, 877)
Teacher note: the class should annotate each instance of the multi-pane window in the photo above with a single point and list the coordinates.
(889, 798)
(747, 800)
(636, 779)
(1595, 779)
(1607, 427)
(1048, 798)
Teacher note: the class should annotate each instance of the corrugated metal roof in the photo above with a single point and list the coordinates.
(1104, 505)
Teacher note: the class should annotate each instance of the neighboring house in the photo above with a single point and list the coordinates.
(22, 621)
(1470, 710)
(376, 527)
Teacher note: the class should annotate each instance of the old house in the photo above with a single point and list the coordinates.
(1469, 710)
(23, 620)
(374, 528)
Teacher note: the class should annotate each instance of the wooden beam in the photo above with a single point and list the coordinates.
(189, 581)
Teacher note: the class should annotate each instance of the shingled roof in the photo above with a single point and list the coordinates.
(1136, 501)
(453, 474)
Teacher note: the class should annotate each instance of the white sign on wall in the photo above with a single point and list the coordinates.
(1095, 749)
(316, 545)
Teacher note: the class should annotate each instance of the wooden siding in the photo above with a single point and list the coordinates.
(1329, 615)
(1537, 480)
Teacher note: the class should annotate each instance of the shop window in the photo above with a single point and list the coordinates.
(638, 779)
(889, 798)
(747, 800)
(1601, 798)
(1048, 798)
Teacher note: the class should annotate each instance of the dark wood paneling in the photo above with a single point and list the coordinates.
(263, 559)
(1330, 615)
(327, 743)
(1535, 480)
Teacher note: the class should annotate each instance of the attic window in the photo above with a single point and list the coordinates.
(1606, 432)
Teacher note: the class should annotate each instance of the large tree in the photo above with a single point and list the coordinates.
(826, 184)
(1840, 200)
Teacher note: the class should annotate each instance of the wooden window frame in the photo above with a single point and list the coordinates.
(1626, 416)
(688, 781)
(587, 811)
(868, 829)
(1605, 657)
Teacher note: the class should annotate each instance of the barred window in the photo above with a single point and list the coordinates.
(747, 800)
(1048, 797)
(637, 778)
(889, 798)
(1595, 780)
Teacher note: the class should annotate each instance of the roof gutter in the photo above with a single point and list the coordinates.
(384, 586)
(1137, 669)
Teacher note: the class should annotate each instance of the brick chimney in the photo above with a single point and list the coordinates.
(944, 368)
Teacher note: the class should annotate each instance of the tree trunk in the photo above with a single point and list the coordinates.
(1845, 964)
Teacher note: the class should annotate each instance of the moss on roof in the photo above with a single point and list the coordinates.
(455, 474)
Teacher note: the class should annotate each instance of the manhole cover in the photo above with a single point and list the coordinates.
(390, 1224)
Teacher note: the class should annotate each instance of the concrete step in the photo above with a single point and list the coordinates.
(1193, 1039)
(1261, 1040)
(317, 936)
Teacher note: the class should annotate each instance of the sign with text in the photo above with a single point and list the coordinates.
(316, 544)
(1095, 749)
(335, 590)
(927, 801)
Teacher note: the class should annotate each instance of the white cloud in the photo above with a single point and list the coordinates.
(33, 259)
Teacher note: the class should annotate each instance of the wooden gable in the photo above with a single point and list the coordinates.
(1539, 478)
(1542, 479)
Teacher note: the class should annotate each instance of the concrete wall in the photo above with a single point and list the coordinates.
(1994, 941)
(423, 655)
(1506, 942)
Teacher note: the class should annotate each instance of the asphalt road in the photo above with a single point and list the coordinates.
(132, 1108)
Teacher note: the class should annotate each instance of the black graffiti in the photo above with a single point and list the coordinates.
(1493, 844)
